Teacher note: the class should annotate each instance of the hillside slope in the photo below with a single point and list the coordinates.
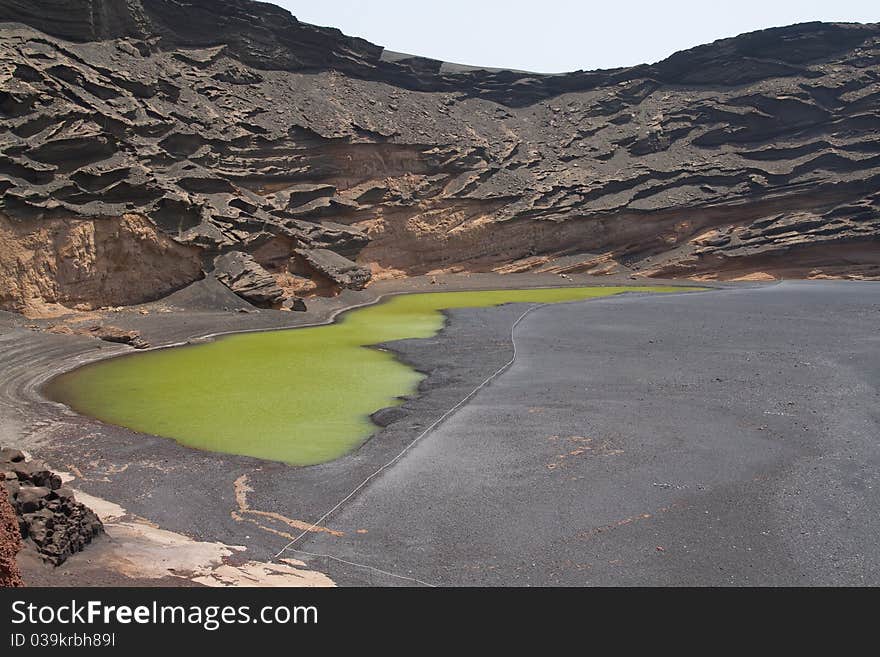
(147, 143)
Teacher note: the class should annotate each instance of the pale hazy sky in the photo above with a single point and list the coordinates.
(552, 36)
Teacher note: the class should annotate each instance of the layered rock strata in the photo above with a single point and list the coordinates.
(187, 132)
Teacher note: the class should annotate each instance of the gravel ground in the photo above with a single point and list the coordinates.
(726, 437)
(194, 492)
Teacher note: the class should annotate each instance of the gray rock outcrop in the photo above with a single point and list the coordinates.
(243, 275)
(48, 514)
(340, 270)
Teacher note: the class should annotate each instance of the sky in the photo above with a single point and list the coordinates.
(555, 36)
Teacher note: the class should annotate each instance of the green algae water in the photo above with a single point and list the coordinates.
(302, 396)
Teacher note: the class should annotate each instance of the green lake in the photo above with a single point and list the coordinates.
(301, 396)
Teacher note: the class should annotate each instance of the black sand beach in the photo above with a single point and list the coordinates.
(635, 440)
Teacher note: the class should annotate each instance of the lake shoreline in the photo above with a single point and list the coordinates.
(245, 391)
(150, 476)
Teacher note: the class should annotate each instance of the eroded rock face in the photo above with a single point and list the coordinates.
(48, 265)
(232, 127)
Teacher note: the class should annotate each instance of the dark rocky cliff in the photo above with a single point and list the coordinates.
(197, 128)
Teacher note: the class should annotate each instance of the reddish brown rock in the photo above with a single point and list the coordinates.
(115, 334)
(10, 542)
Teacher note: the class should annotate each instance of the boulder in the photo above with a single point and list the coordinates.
(11, 486)
(246, 277)
(118, 335)
(28, 470)
(339, 269)
(9, 455)
(295, 304)
(65, 493)
(47, 512)
(388, 415)
(37, 473)
(48, 479)
(31, 498)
